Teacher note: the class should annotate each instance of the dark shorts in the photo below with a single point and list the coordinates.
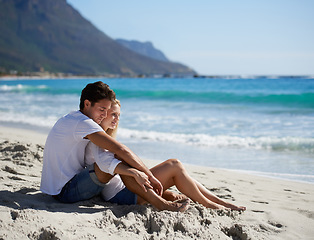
(82, 186)
(124, 197)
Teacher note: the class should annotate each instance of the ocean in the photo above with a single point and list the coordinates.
(263, 126)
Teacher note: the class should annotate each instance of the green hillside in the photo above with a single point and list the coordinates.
(51, 35)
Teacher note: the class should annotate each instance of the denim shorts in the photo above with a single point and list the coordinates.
(82, 186)
(124, 197)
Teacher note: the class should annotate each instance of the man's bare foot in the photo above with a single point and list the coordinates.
(177, 206)
(174, 197)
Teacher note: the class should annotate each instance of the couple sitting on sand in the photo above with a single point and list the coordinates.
(82, 159)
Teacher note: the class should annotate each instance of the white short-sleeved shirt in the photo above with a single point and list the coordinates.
(65, 150)
(107, 163)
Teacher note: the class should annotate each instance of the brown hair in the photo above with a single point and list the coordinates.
(95, 92)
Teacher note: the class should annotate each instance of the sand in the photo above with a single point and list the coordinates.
(276, 209)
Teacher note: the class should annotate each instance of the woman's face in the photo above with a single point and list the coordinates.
(112, 119)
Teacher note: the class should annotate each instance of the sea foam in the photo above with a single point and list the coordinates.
(269, 143)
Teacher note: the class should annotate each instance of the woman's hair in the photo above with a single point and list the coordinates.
(95, 92)
(113, 132)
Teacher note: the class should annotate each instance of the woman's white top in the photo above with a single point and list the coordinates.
(107, 163)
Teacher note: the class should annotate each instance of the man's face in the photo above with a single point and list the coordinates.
(97, 112)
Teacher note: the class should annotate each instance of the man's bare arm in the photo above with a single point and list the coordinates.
(103, 140)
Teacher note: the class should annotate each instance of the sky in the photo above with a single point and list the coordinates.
(215, 37)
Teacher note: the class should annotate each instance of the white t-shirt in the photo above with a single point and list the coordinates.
(107, 163)
(65, 150)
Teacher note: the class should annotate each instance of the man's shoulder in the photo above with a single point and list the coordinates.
(74, 124)
(71, 120)
(76, 115)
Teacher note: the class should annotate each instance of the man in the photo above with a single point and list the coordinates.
(64, 175)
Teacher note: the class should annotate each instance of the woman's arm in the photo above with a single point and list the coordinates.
(140, 177)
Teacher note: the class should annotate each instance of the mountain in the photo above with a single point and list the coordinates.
(52, 35)
(144, 48)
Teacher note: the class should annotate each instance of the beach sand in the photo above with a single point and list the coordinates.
(276, 209)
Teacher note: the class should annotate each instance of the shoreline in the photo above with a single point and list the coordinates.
(276, 209)
(114, 76)
(40, 133)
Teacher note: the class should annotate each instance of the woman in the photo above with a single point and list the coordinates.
(169, 173)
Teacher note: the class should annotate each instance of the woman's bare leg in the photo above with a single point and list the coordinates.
(217, 200)
(172, 173)
(151, 197)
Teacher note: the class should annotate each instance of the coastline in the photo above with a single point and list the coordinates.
(37, 135)
(44, 76)
(276, 209)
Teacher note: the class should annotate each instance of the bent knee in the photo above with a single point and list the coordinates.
(175, 162)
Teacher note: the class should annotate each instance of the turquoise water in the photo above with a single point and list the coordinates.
(260, 125)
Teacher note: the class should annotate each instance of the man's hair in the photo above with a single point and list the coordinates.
(95, 92)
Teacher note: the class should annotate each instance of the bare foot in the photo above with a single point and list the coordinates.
(240, 208)
(177, 206)
(174, 197)
(223, 208)
(234, 207)
(185, 204)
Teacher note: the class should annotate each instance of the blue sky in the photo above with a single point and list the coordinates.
(215, 37)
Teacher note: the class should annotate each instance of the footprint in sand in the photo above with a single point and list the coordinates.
(236, 232)
(262, 202)
(16, 178)
(307, 213)
(11, 170)
(288, 190)
(272, 227)
(258, 211)
(277, 225)
(222, 192)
